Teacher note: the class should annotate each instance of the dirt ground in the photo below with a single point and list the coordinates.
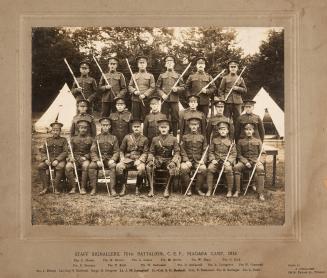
(134, 210)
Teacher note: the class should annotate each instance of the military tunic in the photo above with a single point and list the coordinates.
(120, 124)
(81, 146)
(89, 88)
(87, 117)
(188, 114)
(150, 126)
(193, 146)
(213, 124)
(259, 131)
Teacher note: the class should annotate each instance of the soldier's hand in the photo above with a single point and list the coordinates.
(55, 163)
(164, 96)
(214, 162)
(100, 164)
(248, 164)
(47, 162)
(259, 164)
(79, 90)
(189, 164)
(83, 158)
(174, 89)
(227, 164)
(142, 96)
(108, 87)
(204, 91)
(111, 162)
(71, 159)
(236, 88)
(137, 162)
(150, 163)
(136, 92)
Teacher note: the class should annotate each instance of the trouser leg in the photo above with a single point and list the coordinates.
(105, 109)
(69, 172)
(237, 108)
(229, 177)
(150, 173)
(174, 117)
(93, 173)
(85, 174)
(228, 110)
(238, 168)
(204, 109)
(112, 174)
(260, 179)
(60, 169)
(42, 168)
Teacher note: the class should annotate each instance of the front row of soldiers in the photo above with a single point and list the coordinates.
(90, 154)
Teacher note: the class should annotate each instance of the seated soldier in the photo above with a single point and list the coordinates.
(109, 149)
(81, 145)
(133, 153)
(82, 106)
(57, 149)
(212, 127)
(150, 127)
(248, 151)
(218, 152)
(120, 120)
(193, 148)
(164, 153)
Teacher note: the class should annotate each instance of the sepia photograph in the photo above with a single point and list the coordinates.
(158, 126)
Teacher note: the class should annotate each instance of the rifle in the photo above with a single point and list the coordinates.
(222, 168)
(74, 164)
(255, 166)
(71, 72)
(50, 170)
(104, 76)
(231, 89)
(137, 87)
(211, 82)
(197, 169)
(176, 83)
(152, 176)
(104, 172)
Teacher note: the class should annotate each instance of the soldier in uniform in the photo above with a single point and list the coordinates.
(218, 151)
(248, 150)
(193, 147)
(164, 153)
(150, 127)
(88, 85)
(212, 127)
(82, 114)
(120, 120)
(189, 113)
(234, 101)
(146, 84)
(81, 145)
(196, 82)
(249, 118)
(133, 153)
(116, 88)
(170, 94)
(109, 148)
(57, 148)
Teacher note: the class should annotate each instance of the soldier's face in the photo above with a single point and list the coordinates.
(155, 106)
(223, 131)
(220, 109)
(193, 104)
(105, 127)
(194, 126)
(113, 65)
(170, 64)
(82, 129)
(120, 106)
(84, 70)
(56, 131)
(200, 66)
(164, 129)
(249, 131)
(136, 129)
(233, 69)
(248, 109)
(82, 108)
(142, 64)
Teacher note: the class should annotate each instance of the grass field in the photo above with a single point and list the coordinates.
(134, 210)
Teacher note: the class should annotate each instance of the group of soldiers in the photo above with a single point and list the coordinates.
(141, 140)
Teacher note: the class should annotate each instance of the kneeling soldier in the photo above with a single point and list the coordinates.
(133, 153)
(57, 148)
(248, 151)
(193, 146)
(218, 151)
(164, 153)
(109, 149)
(81, 145)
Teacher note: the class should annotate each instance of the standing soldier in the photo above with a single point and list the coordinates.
(81, 145)
(120, 120)
(109, 149)
(164, 153)
(150, 127)
(196, 82)
(248, 151)
(133, 153)
(249, 118)
(82, 106)
(116, 88)
(170, 94)
(234, 101)
(191, 112)
(88, 85)
(218, 151)
(57, 149)
(213, 123)
(193, 146)
(146, 84)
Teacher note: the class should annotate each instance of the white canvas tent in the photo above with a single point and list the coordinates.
(263, 102)
(64, 106)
